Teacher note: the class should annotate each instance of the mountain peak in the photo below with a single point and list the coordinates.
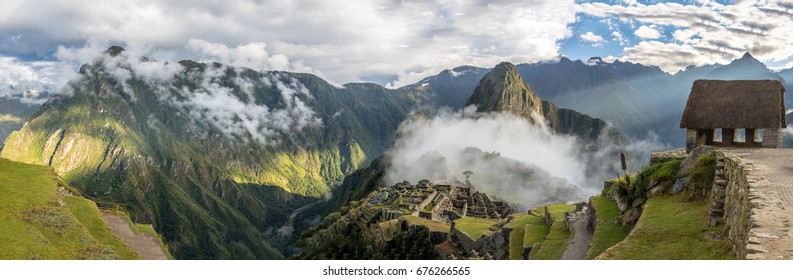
(747, 55)
(502, 89)
(595, 60)
(114, 50)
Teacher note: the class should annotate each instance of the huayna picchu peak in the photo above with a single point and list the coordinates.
(503, 90)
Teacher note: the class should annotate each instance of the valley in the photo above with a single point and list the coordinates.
(226, 162)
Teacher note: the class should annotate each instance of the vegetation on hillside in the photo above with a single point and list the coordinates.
(609, 229)
(527, 229)
(672, 227)
(36, 222)
(555, 243)
(209, 194)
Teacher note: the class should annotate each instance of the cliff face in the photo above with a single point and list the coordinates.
(503, 90)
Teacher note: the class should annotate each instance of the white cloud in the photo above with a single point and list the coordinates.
(707, 32)
(462, 137)
(597, 40)
(619, 38)
(250, 55)
(346, 40)
(238, 119)
(26, 80)
(647, 32)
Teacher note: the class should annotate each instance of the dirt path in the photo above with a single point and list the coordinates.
(582, 237)
(146, 245)
(770, 175)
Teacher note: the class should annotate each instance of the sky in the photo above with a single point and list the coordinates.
(390, 42)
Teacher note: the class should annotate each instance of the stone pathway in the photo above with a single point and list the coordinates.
(145, 244)
(582, 236)
(770, 175)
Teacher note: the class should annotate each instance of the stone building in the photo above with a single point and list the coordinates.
(741, 113)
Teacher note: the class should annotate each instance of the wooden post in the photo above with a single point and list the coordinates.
(728, 136)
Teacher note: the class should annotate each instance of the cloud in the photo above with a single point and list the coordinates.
(706, 32)
(511, 158)
(346, 41)
(597, 40)
(26, 81)
(250, 55)
(219, 97)
(244, 118)
(619, 38)
(647, 32)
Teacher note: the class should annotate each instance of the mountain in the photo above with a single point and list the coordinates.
(13, 112)
(502, 89)
(787, 75)
(215, 157)
(451, 87)
(591, 90)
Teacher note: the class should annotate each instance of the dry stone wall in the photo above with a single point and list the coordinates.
(730, 203)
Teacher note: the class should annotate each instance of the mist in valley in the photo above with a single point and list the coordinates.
(511, 159)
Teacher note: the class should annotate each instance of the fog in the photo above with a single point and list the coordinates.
(525, 164)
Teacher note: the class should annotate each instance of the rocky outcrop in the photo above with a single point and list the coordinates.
(685, 167)
(491, 245)
(503, 90)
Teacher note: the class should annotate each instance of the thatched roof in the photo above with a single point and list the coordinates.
(735, 104)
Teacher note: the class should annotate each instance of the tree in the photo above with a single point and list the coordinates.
(467, 174)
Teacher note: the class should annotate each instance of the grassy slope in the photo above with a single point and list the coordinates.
(432, 226)
(518, 235)
(670, 228)
(86, 212)
(474, 227)
(606, 234)
(35, 225)
(556, 241)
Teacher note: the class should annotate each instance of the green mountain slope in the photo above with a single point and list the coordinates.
(502, 89)
(215, 157)
(38, 220)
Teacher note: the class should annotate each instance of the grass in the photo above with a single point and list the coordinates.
(474, 227)
(35, 225)
(555, 243)
(517, 236)
(671, 227)
(87, 213)
(659, 172)
(607, 233)
(432, 226)
(700, 177)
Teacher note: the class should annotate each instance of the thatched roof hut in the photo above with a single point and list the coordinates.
(751, 104)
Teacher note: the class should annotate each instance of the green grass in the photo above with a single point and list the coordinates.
(607, 234)
(671, 227)
(659, 172)
(518, 235)
(474, 227)
(34, 224)
(555, 243)
(700, 177)
(87, 213)
(432, 226)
